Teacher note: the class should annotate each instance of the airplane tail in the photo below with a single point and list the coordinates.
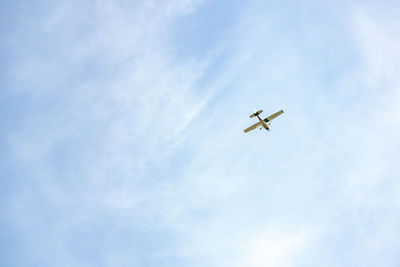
(256, 113)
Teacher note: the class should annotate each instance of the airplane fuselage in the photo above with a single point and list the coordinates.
(263, 123)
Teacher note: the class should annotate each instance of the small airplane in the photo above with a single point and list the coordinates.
(262, 122)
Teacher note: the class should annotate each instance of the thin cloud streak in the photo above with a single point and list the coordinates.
(128, 155)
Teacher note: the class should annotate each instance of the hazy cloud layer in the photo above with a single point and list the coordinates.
(123, 145)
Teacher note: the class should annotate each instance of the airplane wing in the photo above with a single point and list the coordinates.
(273, 116)
(252, 127)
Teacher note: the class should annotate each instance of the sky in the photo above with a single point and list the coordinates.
(122, 144)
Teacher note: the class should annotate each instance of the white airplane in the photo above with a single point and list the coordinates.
(262, 122)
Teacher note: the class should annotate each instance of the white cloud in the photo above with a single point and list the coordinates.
(273, 248)
(90, 148)
(337, 166)
(116, 106)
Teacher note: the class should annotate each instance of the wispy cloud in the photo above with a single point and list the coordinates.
(126, 152)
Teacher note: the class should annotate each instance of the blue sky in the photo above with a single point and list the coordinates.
(122, 137)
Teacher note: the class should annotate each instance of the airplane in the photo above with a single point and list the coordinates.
(262, 122)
